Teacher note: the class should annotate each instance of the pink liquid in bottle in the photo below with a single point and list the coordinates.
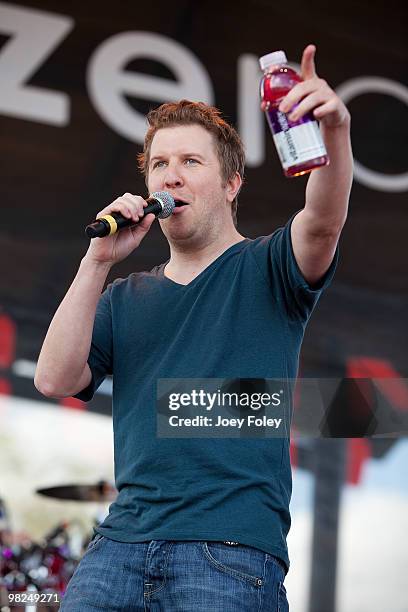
(299, 143)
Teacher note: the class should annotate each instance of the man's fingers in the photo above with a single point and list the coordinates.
(145, 223)
(135, 204)
(128, 205)
(297, 93)
(308, 68)
(309, 103)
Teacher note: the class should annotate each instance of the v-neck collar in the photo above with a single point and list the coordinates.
(232, 248)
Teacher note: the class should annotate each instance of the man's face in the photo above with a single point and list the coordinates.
(184, 162)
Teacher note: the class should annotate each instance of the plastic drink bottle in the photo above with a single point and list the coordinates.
(299, 143)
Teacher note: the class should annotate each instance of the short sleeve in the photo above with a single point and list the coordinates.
(275, 255)
(101, 354)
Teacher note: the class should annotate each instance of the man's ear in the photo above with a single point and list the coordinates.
(233, 186)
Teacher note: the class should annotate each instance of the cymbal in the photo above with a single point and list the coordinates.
(103, 491)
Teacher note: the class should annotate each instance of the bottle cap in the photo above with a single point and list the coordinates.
(272, 59)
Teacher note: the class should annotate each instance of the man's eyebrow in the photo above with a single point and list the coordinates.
(162, 156)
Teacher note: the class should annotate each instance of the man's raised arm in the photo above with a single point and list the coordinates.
(316, 228)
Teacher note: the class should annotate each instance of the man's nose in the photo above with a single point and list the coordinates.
(172, 177)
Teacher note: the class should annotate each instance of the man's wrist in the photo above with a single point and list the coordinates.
(95, 266)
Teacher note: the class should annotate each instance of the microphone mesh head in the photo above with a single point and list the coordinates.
(167, 202)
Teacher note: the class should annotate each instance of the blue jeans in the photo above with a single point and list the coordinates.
(175, 576)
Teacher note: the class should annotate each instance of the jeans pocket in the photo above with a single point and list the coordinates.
(239, 561)
(95, 540)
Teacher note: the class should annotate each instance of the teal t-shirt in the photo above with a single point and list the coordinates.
(244, 316)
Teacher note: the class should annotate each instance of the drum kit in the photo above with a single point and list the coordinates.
(39, 572)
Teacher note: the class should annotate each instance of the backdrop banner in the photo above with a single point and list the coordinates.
(76, 81)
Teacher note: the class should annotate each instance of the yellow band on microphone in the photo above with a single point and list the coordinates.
(112, 223)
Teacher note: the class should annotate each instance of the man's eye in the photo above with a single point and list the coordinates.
(191, 159)
(158, 163)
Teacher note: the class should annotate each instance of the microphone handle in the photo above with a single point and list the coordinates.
(110, 224)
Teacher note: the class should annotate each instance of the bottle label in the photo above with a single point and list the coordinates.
(296, 141)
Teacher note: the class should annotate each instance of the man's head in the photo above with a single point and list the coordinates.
(227, 144)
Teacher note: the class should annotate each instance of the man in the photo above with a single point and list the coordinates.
(199, 524)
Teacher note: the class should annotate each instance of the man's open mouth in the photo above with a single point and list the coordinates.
(180, 205)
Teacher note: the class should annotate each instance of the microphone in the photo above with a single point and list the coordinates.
(160, 203)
